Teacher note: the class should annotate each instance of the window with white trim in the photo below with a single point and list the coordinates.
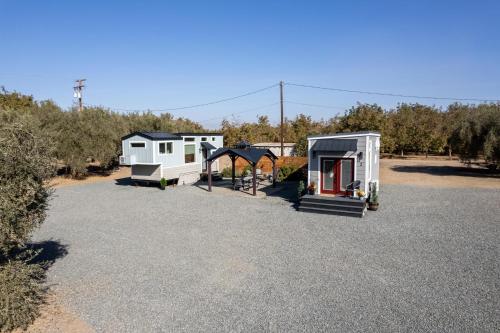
(165, 148)
(203, 139)
(189, 153)
(189, 139)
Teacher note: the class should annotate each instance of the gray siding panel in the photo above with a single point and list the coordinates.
(360, 168)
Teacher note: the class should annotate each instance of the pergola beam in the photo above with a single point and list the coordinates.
(233, 167)
(209, 170)
(254, 179)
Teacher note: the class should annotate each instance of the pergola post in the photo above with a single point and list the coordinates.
(274, 173)
(254, 180)
(209, 171)
(233, 167)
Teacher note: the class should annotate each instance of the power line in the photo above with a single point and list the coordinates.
(202, 104)
(394, 95)
(241, 112)
(318, 105)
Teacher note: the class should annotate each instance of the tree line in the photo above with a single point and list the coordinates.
(94, 135)
(471, 131)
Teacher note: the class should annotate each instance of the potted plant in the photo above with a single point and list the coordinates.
(311, 189)
(373, 200)
(163, 183)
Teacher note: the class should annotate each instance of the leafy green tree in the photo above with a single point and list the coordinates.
(478, 132)
(15, 100)
(363, 117)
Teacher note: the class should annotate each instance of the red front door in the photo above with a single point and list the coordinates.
(336, 174)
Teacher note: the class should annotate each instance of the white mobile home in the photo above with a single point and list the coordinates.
(156, 155)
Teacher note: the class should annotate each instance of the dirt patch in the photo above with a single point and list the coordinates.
(54, 318)
(61, 181)
(436, 173)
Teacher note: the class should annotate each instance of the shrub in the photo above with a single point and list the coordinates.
(25, 164)
(21, 293)
(247, 170)
(226, 172)
(291, 172)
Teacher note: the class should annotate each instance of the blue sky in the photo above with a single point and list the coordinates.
(159, 54)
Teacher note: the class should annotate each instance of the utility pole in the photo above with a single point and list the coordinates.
(282, 128)
(78, 88)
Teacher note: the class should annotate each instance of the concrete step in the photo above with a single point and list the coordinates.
(331, 212)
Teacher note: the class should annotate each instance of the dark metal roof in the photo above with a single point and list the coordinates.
(335, 145)
(207, 145)
(154, 136)
(242, 145)
(197, 133)
(252, 155)
(344, 133)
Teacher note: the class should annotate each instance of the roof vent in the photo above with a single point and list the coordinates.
(243, 145)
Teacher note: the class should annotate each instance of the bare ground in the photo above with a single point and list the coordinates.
(436, 172)
(61, 181)
(54, 318)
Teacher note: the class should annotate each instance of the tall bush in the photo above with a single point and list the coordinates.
(26, 164)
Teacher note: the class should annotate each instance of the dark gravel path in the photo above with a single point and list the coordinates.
(143, 260)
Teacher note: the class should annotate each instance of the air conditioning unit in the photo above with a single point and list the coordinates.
(125, 160)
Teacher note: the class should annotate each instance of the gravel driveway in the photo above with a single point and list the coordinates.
(144, 260)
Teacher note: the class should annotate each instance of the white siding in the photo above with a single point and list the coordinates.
(142, 155)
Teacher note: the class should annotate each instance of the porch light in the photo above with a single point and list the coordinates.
(360, 158)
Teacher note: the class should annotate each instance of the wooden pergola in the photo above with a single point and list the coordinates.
(245, 151)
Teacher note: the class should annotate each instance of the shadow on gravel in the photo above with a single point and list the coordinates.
(448, 171)
(127, 181)
(47, 252)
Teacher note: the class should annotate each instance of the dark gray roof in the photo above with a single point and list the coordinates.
(335, 145)
(345, 133)
(197, 133)
(207, 145)
(154, 136)
(252, 155)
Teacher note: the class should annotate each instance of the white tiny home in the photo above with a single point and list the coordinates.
(156, 155)
(338, 160)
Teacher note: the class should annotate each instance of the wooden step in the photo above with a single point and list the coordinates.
(333, 200)
(331, 211)
(331, 206)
